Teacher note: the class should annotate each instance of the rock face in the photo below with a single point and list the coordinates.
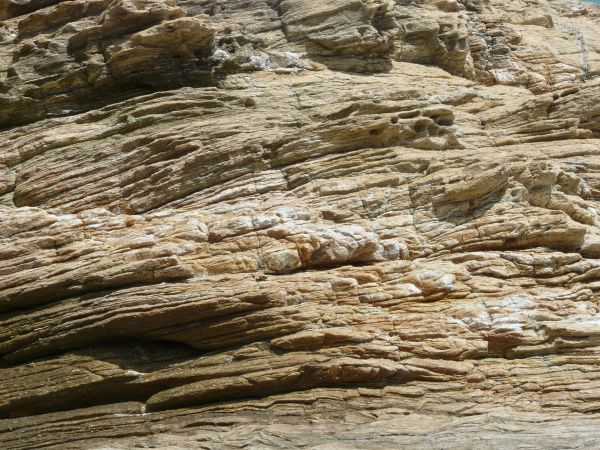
(299, 224)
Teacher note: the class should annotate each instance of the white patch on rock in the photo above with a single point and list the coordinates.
(221, 55)
(261, 62)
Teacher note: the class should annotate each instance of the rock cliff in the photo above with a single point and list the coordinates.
(299, 224)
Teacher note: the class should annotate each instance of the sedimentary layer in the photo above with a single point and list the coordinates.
(299, 224)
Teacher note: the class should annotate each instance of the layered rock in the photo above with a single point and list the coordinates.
(299, 224)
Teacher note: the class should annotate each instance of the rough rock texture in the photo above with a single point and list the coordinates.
(293, 223)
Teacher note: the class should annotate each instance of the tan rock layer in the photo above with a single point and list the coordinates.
(277, 224)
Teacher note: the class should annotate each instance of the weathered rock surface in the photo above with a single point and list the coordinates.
(299, 224)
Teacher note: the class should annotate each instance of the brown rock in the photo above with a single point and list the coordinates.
(299, 224)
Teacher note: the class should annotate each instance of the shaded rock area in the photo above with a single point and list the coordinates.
(299, 224)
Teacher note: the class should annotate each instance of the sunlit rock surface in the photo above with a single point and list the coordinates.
(299, 224)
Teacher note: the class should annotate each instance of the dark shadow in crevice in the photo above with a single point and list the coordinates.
(135, 358)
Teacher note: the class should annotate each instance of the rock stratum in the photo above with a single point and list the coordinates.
(299, 224)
